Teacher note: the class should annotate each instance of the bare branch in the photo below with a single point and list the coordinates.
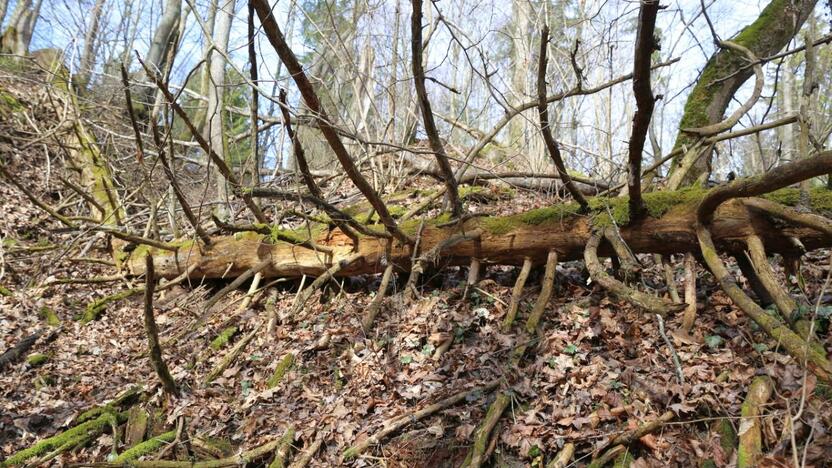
(427, 114)
(288, 58)
(545, 127)
(645, 45)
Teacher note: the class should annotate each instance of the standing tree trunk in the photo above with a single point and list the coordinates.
(204, 75)
(216, 93)
(163, 39)
(90, 46)
(4, 5)
(15, 40)
(727, 70)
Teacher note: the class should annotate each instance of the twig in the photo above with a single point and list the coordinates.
(679, 375)
(177, 189)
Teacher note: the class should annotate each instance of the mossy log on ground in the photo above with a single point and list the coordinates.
(67, 439)
(668, 229)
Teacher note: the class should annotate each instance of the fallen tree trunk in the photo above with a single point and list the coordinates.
(504, 240)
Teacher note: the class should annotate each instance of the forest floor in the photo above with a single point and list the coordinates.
(597, 367)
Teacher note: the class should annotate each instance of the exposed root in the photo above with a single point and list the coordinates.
(796, 346)
(375, 305)
(283, 449)
(477, 456)
(750, 432)
(516, 293)
(647, 302)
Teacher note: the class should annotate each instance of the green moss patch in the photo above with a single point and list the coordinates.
(223, 338)
(49, 316)
(67, 439)
(147, 447)
(280, 371)
(36, 359)
(9, 104)
(97, 307)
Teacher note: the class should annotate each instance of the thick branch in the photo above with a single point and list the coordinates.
(153, 331)
(645, 45)
(303, 166)
(782, 176)
(222, 166)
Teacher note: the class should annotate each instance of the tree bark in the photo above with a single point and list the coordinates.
(504, 240)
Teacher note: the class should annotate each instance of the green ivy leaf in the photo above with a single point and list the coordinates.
(571, 349)
(760, 347)
(407, 359)
(714, 341)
